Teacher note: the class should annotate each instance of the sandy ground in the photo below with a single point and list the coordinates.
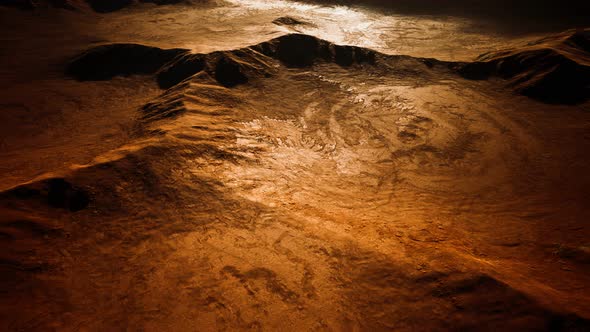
(47, 39)
(388, 196)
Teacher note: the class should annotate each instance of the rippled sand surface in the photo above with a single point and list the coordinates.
(269, 178)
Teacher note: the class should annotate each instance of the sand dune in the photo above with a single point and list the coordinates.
(554, 69)
(321, 208)
(295, 183)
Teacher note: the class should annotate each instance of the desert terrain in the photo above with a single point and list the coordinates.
(293, 166)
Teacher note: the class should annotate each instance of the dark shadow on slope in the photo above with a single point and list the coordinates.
(555, 69)
(56, 192)
(485, 303)
(180, 69)
(106, 6)
(229, 68)
(32, 4)
(107, 61)
(21, 4)
(229, 73)
(298, 50)
(456, 300)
